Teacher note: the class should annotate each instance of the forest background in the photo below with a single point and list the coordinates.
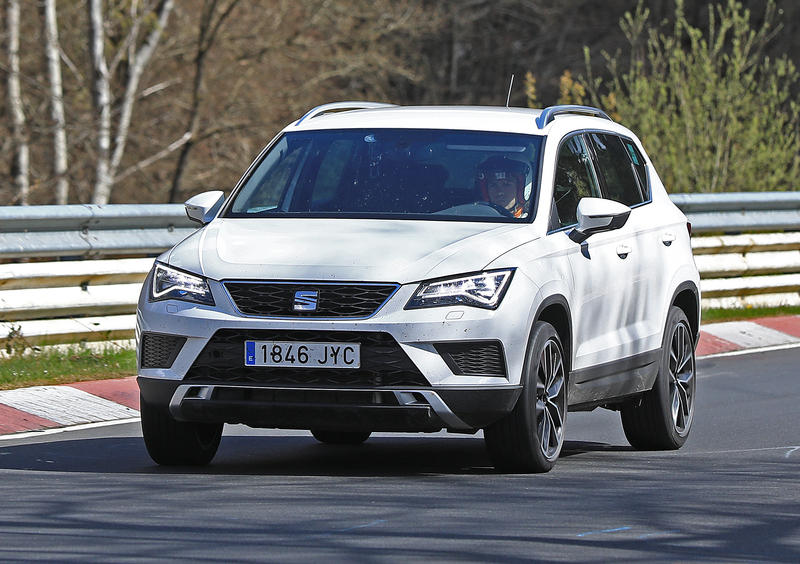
(153, 101)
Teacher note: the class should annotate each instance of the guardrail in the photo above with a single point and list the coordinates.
(98, 256)
(89, 291)
(737, 212)
(90, 231)
(758, 269)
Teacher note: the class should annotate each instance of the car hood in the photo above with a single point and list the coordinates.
(334, 249)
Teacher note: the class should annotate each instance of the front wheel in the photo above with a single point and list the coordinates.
(177, 443)
(529, 439)
(662, 418)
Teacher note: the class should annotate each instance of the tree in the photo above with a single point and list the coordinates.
(136, 48)
(19, 130)
(714, 112)
(268, 64)
(53, 51)
(211, 20)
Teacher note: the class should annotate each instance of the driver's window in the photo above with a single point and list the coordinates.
(575, 179)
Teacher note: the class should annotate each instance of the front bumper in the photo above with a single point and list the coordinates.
(421, 370)
(340, 409)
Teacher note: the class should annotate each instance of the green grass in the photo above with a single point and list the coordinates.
(720, 315)
(64, 367)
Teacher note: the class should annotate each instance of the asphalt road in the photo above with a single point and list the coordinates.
(732, 494)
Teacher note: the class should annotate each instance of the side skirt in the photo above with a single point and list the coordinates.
(603, 384)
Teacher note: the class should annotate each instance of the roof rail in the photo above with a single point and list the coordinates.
(549, 114)
(342, 106)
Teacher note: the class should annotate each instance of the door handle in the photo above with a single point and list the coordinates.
(667, 239)
(623, 251)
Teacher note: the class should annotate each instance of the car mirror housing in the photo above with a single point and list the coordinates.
(597, 215)
(202, 208)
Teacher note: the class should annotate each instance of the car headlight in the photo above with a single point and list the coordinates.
(483, 290)
(171, 284)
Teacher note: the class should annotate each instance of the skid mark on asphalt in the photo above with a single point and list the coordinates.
(659, 534)
(619, 529)
(352, 528)
(604, 531)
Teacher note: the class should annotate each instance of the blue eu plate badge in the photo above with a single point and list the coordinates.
(250, 353)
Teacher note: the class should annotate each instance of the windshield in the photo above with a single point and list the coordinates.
(397, 173)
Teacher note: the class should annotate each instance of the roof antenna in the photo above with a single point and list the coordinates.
(508, 98)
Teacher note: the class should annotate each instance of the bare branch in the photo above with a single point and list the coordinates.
(157, 157)
(159, 87)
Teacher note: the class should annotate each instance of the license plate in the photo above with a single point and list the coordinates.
(299, 354)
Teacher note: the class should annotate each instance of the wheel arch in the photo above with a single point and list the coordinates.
(687, 298)
(555, 311)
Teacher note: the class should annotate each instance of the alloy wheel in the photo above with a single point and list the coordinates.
(682, 379)
(550, 400)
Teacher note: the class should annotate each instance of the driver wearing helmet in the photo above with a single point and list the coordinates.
(502, 182)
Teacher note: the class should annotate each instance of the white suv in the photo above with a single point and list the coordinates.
(412, 269)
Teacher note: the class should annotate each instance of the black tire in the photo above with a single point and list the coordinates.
(529, 439)
(662, 417)
(177, 443)
(341, 437)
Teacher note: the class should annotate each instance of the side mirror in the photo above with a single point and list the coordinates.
(597, 215)
(202, 208)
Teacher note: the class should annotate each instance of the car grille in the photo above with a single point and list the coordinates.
(276, 299)
(160, 351)
(383, 362)
(483, 358)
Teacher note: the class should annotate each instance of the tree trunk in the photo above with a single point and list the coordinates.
(137, 62)
(56, 103)
(138, 57)
(207, 34)
(20, 168)
(101, 98)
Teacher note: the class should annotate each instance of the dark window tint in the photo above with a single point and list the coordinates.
(575, 179)
(394, 173)
(617, 169)
(639, 167)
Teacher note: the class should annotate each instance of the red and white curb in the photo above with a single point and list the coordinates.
(46, 407)
(41, 408)
(733, 336)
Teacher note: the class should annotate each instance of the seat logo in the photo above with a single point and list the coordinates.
(305, 300)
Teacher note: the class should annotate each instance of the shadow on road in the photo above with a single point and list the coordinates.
(276, 455)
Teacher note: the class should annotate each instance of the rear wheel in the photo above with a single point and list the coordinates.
(177, 443)
(341, 437)
(529, 439)
(662, 418)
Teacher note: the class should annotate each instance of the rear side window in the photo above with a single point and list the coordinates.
(619, 171)
(639, 167)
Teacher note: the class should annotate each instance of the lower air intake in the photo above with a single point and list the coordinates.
(480, 358)
(160, 351)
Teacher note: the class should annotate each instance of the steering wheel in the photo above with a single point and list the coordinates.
(499, 209)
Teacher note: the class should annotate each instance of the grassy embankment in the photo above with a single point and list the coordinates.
(59, 367)
(48, 367)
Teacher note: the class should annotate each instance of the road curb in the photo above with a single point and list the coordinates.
(40, 408)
